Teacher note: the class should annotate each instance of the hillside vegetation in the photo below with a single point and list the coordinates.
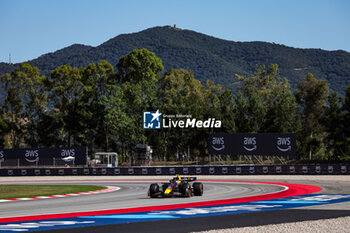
(209, 58)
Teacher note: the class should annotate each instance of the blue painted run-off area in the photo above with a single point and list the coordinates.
(275, 204)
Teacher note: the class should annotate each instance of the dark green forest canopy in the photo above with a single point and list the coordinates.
(209, 58)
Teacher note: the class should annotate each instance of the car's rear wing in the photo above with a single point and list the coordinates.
(189, 179)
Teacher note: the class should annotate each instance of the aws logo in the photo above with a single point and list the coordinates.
(65, 152)
(250, 143)
(32, 156)
(284, 144)
(218, 143)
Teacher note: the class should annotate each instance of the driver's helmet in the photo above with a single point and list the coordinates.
(178, 179)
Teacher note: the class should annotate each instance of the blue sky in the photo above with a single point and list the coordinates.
(30, 28)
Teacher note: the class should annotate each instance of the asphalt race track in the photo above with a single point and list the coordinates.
(180, 215)
(131, 194)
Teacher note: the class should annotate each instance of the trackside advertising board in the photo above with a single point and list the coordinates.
(268, 144)
(44, 156)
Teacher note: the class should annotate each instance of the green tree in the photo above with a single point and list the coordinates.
(312, 96)
(241, 114)
(218, 104)
(180, 93)
(4, 130)
(281, 116)
(346, 129)
(226, 111)
(334, 123)
(264, 103)
(120, 125)
(26, 100)
(139, 65)
(99, 81)
(138, 74)
(67, 100)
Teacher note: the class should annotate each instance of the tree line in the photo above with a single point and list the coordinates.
(101, 106)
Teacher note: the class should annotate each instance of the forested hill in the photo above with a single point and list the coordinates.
(208, 57)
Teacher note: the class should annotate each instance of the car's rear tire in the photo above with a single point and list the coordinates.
(153, 190)
(197, 189)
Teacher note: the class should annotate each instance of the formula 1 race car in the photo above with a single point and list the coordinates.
(176, 187)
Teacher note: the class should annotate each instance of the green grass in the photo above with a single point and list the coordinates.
(18, 191)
